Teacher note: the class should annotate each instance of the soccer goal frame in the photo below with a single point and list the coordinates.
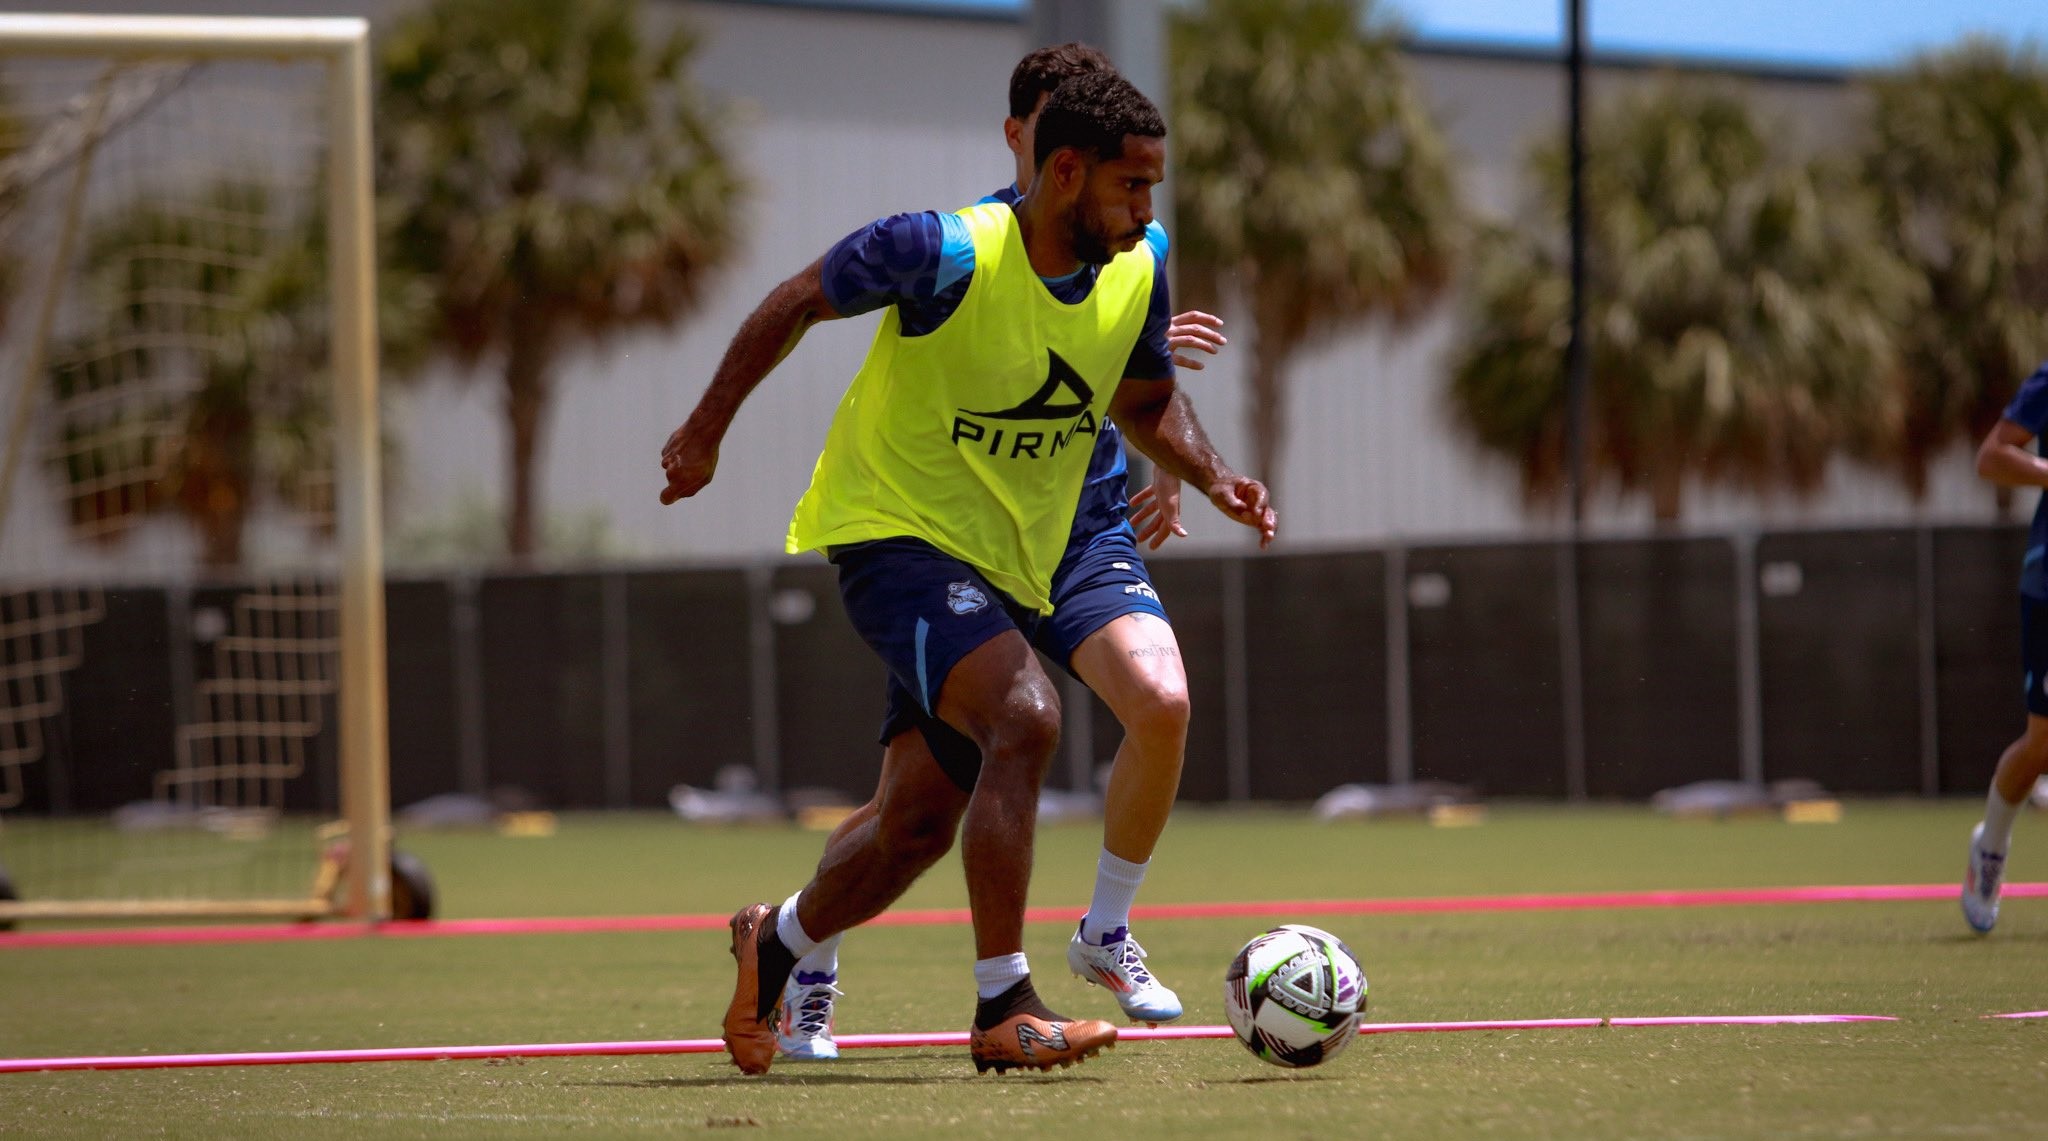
(342, 45)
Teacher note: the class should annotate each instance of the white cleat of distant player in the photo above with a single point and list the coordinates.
(1981, 882)
(804, 1032)
(1117, 964)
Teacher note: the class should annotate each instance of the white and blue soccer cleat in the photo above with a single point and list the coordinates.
(804, 1032)
(1981, 881)
(1118, 964)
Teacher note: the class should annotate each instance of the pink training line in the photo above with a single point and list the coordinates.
(1571, 901)
(2021, 1014)
(846, 1041)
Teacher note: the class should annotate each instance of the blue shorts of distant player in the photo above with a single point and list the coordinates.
(2034, 652)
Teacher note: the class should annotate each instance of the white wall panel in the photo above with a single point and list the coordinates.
(839, 117)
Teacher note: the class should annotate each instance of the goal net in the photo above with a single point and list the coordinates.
(191, 641)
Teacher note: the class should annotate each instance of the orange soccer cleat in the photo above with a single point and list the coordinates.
(1029, 1042)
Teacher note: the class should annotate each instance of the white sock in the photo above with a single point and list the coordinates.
(791, 932)
(1998, 818)
(1116, 885)
(994, 976)
(823, 959)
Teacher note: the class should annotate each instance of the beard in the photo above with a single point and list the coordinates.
(1093, 241)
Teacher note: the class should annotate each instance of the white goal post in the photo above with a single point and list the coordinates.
(342, 45)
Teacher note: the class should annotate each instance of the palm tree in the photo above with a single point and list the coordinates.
(554, 182)
(1739, 312)
(202, 378)
(1958, 153)
(1310, 180)
(13, 136)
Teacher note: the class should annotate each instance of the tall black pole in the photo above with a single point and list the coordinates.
(1575, 349)
(1571, 634)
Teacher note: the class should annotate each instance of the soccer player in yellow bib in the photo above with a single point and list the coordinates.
(1109, 628)
(944, 494)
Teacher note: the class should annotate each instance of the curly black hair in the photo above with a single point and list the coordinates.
(1038, 74)
(1093, 113)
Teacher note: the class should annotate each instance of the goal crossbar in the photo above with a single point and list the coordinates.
(223, 36)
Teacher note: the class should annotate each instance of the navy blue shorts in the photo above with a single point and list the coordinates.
(922, 610)
(2034, 652)
(1094, 586)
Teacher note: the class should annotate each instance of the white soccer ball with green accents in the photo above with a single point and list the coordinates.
(1295, 995)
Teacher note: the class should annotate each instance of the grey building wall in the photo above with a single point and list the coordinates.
(840, 116)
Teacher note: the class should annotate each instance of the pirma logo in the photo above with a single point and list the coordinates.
(1063, 397)
(964, 597)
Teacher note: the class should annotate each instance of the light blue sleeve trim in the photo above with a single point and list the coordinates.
(956, 251)
(1155, 236)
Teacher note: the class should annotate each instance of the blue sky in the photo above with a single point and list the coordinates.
(1830, 33)
(1847, 33)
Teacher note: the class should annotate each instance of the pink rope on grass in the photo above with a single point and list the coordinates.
(1291, 909)
(846, 1041)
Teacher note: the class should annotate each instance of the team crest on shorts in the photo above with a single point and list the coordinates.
(964, 597)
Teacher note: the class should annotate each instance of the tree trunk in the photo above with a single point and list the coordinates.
(214, 476)
(529, 353)
(1266, 408)
(1667, 492)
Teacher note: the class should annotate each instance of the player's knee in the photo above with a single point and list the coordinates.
(2034, 751)
(1160, 711)
(2034, 743)
(1028, 733)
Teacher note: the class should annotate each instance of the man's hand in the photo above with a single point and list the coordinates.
(1155, 510)
(689, 459)
(1194, 331)
(1246, 501)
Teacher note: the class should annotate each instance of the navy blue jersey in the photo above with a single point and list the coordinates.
(2029, 409)
(922, 263)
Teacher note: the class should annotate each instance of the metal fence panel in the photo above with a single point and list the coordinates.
(540, 639)
(1660, 645)
(1979, 707)
(119, 714)
(1316, 649)
(1484, 674)
(688, 665)
(829, 686)
(215, 616)
(1839, 646)
(426, 746)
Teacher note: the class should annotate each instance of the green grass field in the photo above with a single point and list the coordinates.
(1941, 1071)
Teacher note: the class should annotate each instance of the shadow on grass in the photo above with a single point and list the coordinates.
(1966, 938)
(730, 1081)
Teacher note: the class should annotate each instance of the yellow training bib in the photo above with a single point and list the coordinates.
(975, 437)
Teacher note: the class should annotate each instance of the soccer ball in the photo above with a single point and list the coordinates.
(1295, 995)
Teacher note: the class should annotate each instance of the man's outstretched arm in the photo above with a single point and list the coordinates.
(765, 337)
(1161, 421)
